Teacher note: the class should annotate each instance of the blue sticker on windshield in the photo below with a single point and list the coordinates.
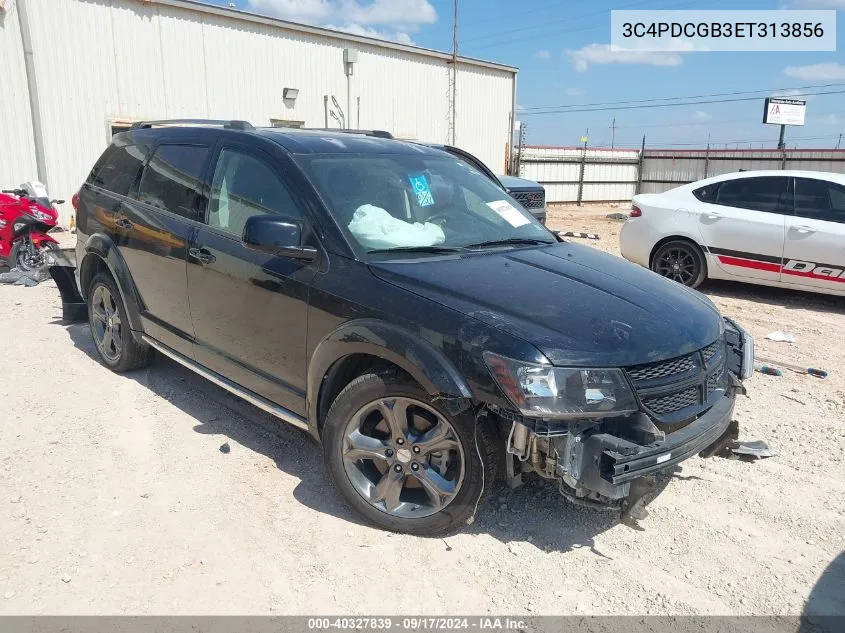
(421, 189)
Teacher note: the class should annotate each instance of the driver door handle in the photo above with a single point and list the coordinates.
(712, 215)
(803, 229)
(201, 255)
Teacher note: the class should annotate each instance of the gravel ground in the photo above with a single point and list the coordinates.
(116, 498)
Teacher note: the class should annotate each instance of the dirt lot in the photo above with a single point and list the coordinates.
(115, 497)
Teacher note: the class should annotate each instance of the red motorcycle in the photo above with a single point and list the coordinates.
(26, 215)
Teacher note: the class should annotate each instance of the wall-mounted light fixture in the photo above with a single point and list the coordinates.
(290, 93)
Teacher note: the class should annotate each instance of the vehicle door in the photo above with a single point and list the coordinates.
(248, 307)
(157, 225)
(741, 222)
(814, 252)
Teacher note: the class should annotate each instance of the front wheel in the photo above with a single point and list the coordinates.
(401, 461)
(680, 261)
(22, 258)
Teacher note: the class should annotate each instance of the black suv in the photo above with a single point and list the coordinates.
(392, 301)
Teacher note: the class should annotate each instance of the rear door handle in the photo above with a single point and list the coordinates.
(201, 255)
(712, 215)
(803, 229)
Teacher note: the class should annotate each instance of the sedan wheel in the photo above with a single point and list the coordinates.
(680, 261)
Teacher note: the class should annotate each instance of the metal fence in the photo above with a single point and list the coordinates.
(577, 174)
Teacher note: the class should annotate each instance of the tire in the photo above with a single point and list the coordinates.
(107, 314)
(681, 261)
(17, 256)
(468, 467)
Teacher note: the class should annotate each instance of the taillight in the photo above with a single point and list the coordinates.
(75, 201)
(635, 211)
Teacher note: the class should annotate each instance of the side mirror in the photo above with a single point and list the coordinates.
(277, 235)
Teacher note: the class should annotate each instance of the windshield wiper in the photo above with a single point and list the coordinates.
(511, 241)
(419, 249)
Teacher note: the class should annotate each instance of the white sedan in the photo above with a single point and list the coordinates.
(776, 228)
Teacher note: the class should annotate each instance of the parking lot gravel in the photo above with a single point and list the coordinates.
(117, 496)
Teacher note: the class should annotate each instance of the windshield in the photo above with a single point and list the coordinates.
(394, 203)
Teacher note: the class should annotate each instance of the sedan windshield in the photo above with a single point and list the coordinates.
(393, 203)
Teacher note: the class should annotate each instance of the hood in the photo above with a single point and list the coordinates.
(577, 305)
(512, 182)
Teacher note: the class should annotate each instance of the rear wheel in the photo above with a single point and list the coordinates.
(681, 261)
(401, 461)
(110, 327)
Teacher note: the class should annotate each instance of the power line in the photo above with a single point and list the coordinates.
(713, 143)
(667, 105)
(702, 96)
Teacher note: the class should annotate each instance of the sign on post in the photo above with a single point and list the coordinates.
(784, 111)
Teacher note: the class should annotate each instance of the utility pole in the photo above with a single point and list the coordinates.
(781, 144)
(839, 142)
(453, 101)
(613, 134)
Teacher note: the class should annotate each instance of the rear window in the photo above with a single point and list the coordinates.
(119, 169)
(172, 180)
(707, 193)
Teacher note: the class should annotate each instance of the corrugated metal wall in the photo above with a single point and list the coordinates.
(612, 175)
(609, 174)
(17, 149)
(664, 169)
(104, 60)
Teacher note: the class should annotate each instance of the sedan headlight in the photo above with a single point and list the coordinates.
(543, 391)
(41, 215)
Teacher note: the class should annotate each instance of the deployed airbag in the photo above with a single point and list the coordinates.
(376, 228)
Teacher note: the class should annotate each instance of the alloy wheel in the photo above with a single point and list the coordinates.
(678, 264)
(403, 457)
(106, 324)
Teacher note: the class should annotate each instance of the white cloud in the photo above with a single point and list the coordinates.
(357, 29)
(701, 115)
(397, 18)
(544, 54)
(832, 119)
(825, 71)
(604, 54)
(574, 92)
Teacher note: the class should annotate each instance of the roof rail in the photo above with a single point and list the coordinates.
(376, 133)
(233, 124)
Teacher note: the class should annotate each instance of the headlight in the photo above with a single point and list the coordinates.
(543, 391)
(40, 215)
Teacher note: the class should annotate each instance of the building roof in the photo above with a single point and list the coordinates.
(245, 16)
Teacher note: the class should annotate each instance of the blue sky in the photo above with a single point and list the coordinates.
(560, 49)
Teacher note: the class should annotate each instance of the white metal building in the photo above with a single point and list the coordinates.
(75, 71)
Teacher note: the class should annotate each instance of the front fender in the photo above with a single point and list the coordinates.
(420, 359)
(101, 247)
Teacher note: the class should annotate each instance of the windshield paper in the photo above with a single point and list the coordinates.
(508, 213)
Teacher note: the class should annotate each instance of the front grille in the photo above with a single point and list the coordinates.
(661, 370)
(670, 390)
(673, 402)
(530, 199)
(711, 350)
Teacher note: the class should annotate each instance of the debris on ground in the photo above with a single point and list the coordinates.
(617, 216)
(26, 278)
(769, 371)
(818, 373)
(781, 337)
(757, 449)
(225, 448)
(586, 236)
(793, 398)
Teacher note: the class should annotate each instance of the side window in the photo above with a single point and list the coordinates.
(172, 180)
(707, 193)
(819, 200)
(120, 169)
(243, 186)
(767, 193)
